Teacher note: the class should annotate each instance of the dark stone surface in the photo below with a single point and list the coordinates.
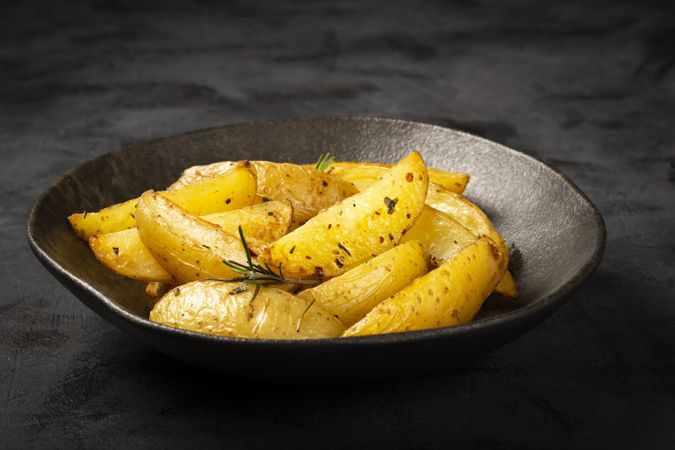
(589, 89)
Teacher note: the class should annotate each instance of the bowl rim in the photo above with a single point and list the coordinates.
(527, 312)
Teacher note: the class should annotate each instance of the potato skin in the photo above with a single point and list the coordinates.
(475, 220)
(124, 253)
(363, 174)
(444, 190)
(306, 189)
(441, 236)
(452, 294)
(356, 229)
(234, 190)
(216, 307)
(353, 294)
(189, 248)
(262, 223)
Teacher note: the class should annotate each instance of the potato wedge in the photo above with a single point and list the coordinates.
(458, 207)
(353, 294)
(507, 286)
(356, 229)
(363, 174)
(197, 174)
(226, 309)
(233, 190)
(307, 190)
(124, 252)
(262, 223)
(441, 236)
(452, 294)
(476, 221)
(189, 248)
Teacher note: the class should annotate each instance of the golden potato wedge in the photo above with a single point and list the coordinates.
(474, 219)
(507, 286)
(307, 190)
(356, 229)
(353, 294)
(233, 190)
(226, 309)
(363, 174)
(441, 236)
(197, 174)
(124, 252)
(262, 223)
(189, 248)
(452, 294)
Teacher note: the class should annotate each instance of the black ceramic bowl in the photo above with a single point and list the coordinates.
(558, 232)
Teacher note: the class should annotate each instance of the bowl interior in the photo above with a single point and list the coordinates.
(557, 232)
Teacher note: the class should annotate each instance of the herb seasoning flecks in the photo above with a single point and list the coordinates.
(344, 248)
(391, 204)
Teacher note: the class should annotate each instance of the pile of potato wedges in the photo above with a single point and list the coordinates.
(328, 250)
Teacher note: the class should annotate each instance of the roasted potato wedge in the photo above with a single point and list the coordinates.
(197, 174)
(445, 200)
(474, 219)
(262, 223)
(189, 248)
(452, 294)
(124, 252)
(233, 190)
(307, 190)
(507, 286)
(226, 309)
(363, 174)
(356, 229)
(353, 294)
(441, 236)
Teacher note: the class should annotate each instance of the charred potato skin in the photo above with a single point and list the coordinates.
(353, 294)
(449, 295)
(356, 229)
(226, 309)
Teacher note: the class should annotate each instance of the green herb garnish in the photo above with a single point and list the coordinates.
(254, 273)
(324, 162)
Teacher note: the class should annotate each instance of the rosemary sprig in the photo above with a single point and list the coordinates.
(254, 273)
(324, 162)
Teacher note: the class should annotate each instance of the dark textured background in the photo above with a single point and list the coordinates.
(589, 89)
